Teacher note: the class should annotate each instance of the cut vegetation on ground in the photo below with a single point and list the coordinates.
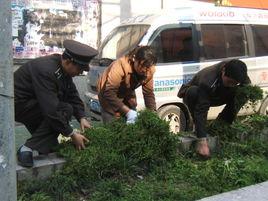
(142, 162)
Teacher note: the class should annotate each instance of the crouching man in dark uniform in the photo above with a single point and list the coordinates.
(213, 86)
(46, 99)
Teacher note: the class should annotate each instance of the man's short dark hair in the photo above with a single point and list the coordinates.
(144, 53)
(236, 69)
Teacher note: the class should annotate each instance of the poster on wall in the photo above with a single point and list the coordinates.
(39, 27)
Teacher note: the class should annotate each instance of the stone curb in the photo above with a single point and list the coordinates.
(44, 167)
(257, 192)
(187, 143)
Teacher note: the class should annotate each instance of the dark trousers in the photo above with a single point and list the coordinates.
(108, 117)
(199, 102)
(44, 138)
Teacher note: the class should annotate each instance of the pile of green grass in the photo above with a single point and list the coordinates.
(116, 151)
(250, 94)
(141, 162)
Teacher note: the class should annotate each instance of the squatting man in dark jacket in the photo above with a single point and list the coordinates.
(213, 86)
(46, 99)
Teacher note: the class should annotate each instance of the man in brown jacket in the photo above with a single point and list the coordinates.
(117, 84)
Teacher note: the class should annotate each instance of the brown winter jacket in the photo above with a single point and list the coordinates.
(117, 84)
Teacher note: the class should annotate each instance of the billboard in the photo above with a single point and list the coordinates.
(39, 27)
(259, 4)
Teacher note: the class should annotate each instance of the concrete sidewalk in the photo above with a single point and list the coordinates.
(258, 192)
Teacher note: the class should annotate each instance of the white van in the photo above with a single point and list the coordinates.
(187, 40)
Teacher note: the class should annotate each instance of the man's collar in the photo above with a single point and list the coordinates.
(127, 64)
(58, 73)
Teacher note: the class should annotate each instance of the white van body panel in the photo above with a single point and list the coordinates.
(170, 76)
(211, 14)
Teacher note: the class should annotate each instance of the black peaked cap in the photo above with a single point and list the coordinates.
(236, 69)
(78, 52)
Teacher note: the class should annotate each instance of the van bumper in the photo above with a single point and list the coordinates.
(93, 106)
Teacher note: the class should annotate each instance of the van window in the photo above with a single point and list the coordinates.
(174, 45)
(213, 41)
(221, 41)
(122, 40)
(260, 35)
(236, 42)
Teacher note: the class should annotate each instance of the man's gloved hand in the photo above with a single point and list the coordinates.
(131, 116)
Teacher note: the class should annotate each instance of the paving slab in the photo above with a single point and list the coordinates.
(187, 143)
(258, 192)
(44, 167)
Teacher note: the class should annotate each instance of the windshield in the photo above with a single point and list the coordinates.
(121, 40)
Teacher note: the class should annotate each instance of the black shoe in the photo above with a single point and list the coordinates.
(25, 158)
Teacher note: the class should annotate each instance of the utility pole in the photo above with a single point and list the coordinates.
(8, 189)
(99, 23)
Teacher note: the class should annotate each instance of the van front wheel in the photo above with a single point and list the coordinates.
(175, 116)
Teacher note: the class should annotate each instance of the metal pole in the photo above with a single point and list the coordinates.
(99, 23)
(125, 9)
(8, 189)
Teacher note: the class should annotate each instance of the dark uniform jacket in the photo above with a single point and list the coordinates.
(43, 79)
(211, 93)
(118, 82)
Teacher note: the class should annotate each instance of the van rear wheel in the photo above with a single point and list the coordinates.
(264, 107)
(175, 116)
